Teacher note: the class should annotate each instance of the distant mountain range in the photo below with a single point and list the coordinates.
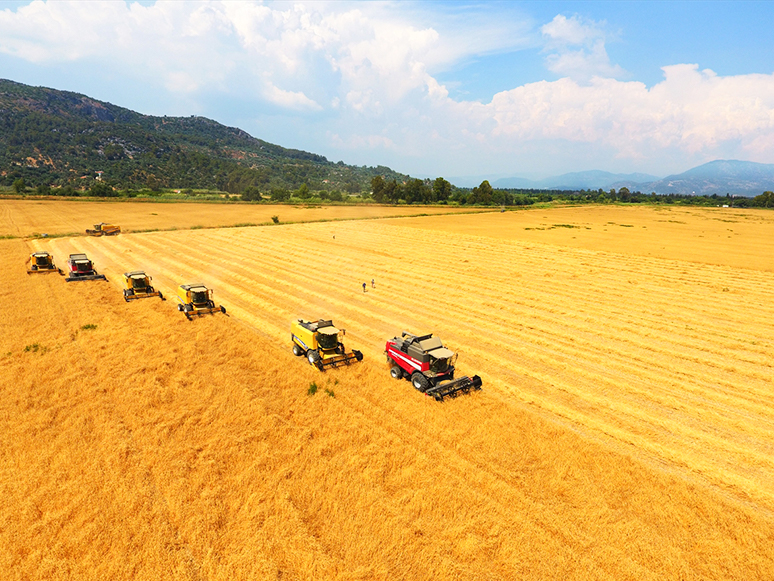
(51, 137)
(745, 178)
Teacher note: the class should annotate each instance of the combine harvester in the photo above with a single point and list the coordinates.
(81, 268)
(104, 229)
(138, 286)
(320, 341)
(196, 299)
(428, 365)
(42, 263)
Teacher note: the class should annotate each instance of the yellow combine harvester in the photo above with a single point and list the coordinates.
(104, 229)
(196, 299)
(138, 286)
(42, 263)
(321, 343)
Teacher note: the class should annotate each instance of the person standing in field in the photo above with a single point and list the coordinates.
(364, 287)
(373, 283)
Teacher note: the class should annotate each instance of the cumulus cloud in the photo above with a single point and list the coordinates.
(577, 49)
(363, 77)
(690, 110)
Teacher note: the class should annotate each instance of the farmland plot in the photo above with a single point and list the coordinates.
(20, 218)
(622, 432)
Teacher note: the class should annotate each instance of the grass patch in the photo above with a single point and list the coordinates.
(35, 348)
(89, 327)
(330, 393)
(312, 389)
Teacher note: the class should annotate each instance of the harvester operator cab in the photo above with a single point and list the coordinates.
(200, 296)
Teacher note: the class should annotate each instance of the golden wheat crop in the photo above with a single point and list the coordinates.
(20, 218)
(623, 430)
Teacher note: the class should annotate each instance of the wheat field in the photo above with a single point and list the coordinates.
(26, 217)
(623, 430)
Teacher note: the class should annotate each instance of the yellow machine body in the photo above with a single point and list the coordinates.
(196, 299)
(104, 229)
(321, 342)
(137, 285)
(41, 263)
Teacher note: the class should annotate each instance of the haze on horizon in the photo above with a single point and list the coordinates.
(428, 88)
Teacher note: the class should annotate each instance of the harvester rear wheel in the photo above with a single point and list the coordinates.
(396, 372)
(313, 357)
(297, 351)
(419, 382)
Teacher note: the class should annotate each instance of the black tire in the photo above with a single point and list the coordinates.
(396, 372)
(34, 267)
(419, 382)
(297, 351)
(211, 304)
(179, 307)
(187, 309)
(313, 357)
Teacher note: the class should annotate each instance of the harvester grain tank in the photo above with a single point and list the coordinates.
(321, 342)
(81, 268)
(104, 229)
(42, 263)
(423, 360)
(137, 285)
(196, 299)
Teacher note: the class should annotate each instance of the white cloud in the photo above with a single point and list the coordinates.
(578, 49)
(361, 77)
(690, 110)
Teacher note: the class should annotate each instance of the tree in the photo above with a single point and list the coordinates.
(377, 187)
(303, 192)
(19, 186)
(441, 190)
(102, 190)
(482, 194)
(251, 194)
(336, 196)
(279, 195)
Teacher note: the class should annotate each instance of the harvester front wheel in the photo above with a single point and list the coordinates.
(297, 351)
(396, 372)
(313, 357)
(419, 382)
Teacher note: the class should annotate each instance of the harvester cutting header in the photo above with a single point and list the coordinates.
(428, 365)
(320, 341)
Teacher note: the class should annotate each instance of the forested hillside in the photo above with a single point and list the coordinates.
(59, 138)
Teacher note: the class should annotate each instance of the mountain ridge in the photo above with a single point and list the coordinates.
(62, 138)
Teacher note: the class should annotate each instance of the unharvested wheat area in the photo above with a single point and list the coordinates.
(623, 430)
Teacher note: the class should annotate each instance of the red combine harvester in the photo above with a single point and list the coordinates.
(81, 268)
(428, 365)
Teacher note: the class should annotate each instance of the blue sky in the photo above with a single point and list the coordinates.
(489, 89)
